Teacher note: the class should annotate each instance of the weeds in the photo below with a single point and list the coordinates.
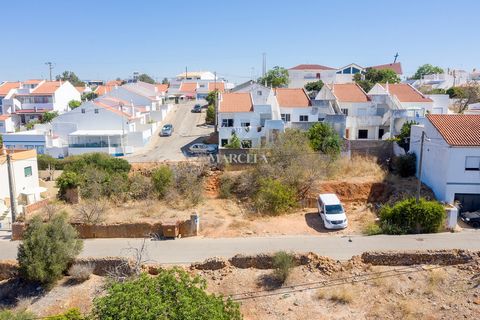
(283, 263)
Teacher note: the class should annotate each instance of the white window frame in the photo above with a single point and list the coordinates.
(472, 163)
(301, 118)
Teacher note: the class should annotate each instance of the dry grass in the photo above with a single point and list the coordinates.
(81, 272)
(357, 167)
(239, 224)
(343, 295)
(407, 309)
(434, 279)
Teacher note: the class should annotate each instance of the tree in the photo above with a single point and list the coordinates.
(47, 249)
(403, 139)
(89, 96)
(48, 163)
(464, 96)
(373, 76)
(210, 116)
(274, 197)
(234, 142)
(48, 116)
(426, 69)
(172, 294)
(276, 77)
(324, 138)
(146, 78)
(70, 77)
(72, 104)
(162, 178)
(211, 97)
(315, 86)
(165, 81)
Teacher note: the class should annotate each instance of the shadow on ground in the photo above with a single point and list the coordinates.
(315, 222)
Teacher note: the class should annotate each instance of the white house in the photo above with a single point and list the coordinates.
(32, 98)
(451, 157)
(196, 75)
(26, 186)
(7, 123)
(42, 140)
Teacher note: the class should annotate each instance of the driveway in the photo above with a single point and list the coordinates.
(188, 128)
(189, 250)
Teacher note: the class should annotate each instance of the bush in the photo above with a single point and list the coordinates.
(172, 294)
(372, 229)
(47, 249)
(19, 315)
(408, 216)
(406, 165)
(274, 197)
(67, 180)
(324, 138)
(81, 272)
(162, 178)
(226, 186)
(72, 314)
(188, 183)
(403, 139)
(210, 115)
(283, 263)
(141, 187)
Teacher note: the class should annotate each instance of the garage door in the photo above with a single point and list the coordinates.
(469, 201)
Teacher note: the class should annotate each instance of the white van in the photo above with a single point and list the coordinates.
(331, 211)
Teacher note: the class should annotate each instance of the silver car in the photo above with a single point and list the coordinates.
(167, 130)
(202, 148)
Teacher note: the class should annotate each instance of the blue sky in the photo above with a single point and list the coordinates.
(108, 39)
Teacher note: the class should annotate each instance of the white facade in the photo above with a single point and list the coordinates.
(444, 166)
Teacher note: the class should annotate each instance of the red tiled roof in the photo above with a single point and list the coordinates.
(236, 102)
(114, 83)
(349, 92)
(48, 87)
(396, 67)
(311, 67)
(32, 81)
(292, 98)
(101, 90)
(4, 117)
(162, 87)
(7, 86)
(461, 130)
(112, 109)
(188, 87)
(219, 85)
(406, 93)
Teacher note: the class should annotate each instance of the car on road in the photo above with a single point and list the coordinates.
(331, 211)
(167, 130)
(197, 108)
(471, 218)
(202, 148)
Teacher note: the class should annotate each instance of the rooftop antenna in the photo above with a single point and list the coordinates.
(395, 56)
(50, 67)
(264, 64)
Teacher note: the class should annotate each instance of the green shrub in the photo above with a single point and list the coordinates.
(408, 216)
(372, 229)
(403, 139)
(172, 294)
(47, 249)
(210, 115)
(162, 178)
(274, 197)
(226, 186)
(17, 315)
(67, 180)
(141, 187)
(283, 263)
(72, 314)
(406, 165)
(325, 139)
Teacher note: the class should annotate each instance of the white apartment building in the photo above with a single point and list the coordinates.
(451, 157)
(30, 99)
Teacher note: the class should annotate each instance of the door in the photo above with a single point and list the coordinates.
(468, 201)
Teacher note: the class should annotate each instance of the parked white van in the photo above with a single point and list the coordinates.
(331, 211)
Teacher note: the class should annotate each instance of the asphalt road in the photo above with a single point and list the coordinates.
(188, 128)
(188, 250)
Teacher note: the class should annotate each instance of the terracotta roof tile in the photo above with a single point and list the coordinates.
(48, 87)
(219, 85)
(349, 92)
(292, 98)
(460, 130)
(406, 93)
(112, 109)
(236, 102)
(7, 86)
(162, 87)
(311, 67)
(396, 67)
(188, 87)
(101, 90)
(4, 117)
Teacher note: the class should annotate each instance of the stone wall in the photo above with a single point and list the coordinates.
(379, 149)
(35, 206)
(436, 257)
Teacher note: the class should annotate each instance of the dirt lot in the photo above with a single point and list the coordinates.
(329, 290)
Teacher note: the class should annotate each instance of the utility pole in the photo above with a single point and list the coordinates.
(50, 67)
(216, 103)
(264, 64)
(13, 201)
(395, 56)
(419, 182)
(186, 73)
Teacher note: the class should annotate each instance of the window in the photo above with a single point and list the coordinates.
(27, 171)
(355, 70)
(303, 118)
(318, 75)
(246, 144)
(345, 111)
(259, 93)
(285, 117)
(224, 142)
(83, 110)
(227, 123)
(96, 110)
(245, 124)
(363, 134)
(320, 119)
(472, 163)
(381, 132)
